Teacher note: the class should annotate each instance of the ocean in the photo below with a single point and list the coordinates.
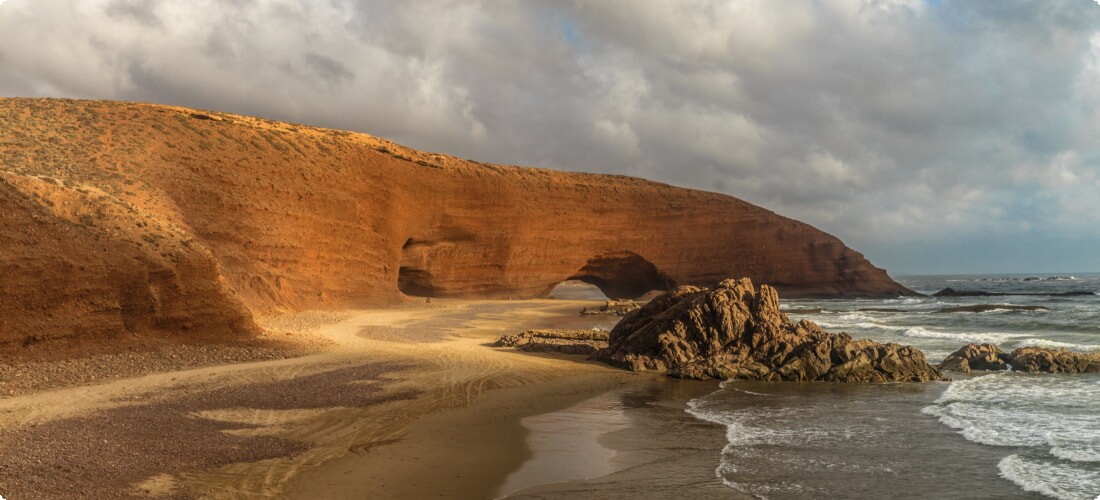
(996, 435)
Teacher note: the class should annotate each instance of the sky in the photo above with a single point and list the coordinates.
(934, 136)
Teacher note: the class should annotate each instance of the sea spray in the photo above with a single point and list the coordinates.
(1003, 434)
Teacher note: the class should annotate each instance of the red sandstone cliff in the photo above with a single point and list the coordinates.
(123, 219)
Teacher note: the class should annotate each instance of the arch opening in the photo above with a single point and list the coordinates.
(413, 277)
(623, 275)
(576, 290)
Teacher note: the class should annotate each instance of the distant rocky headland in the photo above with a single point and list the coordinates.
(123, 222)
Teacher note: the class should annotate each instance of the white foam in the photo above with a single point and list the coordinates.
(907, 300)
(1049, 478)
(1018, 390)
(1011, 310)
(882, 327)
(1054, 344)
(1053, 416)
(866, 325)
(1080, 450)
(964, 337)
(753, 393)
(854, 316)
(1033, 427)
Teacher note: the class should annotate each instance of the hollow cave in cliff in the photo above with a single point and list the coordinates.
(623, 275)
(412, 278)
(616, 275)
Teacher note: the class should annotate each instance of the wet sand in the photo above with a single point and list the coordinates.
(460, 453)
(403, 400)
(653, 448)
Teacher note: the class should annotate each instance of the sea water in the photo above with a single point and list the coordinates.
(985, 436)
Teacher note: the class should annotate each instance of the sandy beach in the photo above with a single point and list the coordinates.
(403, 402)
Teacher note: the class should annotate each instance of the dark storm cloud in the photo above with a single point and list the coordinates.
(912, 129)
(330, 70)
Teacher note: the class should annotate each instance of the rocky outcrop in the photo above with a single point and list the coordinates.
(563, 341)
(1037, 359)
(611, 308)
(976, 357)
(120, 218)
(1026, 359)
(735, 331)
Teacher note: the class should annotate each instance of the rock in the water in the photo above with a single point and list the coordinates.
(612, 308)
(1037, 359)
(1027, 359)
(976, 357)
(734, 331)
(564, 341)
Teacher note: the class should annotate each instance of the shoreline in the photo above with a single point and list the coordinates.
(465, 452)
(389, 382)
(652, 447)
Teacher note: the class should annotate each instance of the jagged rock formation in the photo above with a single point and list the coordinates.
(611, 308)
(1026, 359)
(1037, 359)
(734, 331)
(986, 357)
(565, 341)
(121, 219)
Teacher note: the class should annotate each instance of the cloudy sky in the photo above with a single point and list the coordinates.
(935, 136)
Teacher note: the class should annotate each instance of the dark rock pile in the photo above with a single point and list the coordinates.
(1026, 359)
(735, 331)
(563, 341)
(612, 308)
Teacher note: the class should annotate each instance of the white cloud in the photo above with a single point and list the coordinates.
(886, 122)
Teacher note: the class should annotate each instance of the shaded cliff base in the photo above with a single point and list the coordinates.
(54, 363)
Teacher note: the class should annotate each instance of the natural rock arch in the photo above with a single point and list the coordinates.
(623, 275)
(324, 226)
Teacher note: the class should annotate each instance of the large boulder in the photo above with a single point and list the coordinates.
(976, 357)
(735, 331)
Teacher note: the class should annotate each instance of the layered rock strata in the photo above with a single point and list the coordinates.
(735, 331)
(124, 219)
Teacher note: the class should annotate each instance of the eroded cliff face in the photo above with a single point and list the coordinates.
(121, 217)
